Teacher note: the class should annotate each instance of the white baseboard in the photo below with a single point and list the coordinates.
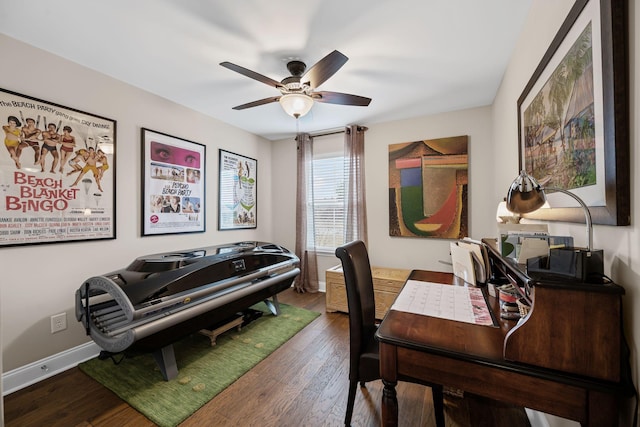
(32, 373)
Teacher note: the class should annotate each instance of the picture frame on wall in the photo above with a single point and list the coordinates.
(237, 191)
(428, 188)
(173, 176)
(573, 126)
(57, 173)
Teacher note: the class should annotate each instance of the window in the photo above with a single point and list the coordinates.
(327, 203)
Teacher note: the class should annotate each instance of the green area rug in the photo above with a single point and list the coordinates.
(203, 371)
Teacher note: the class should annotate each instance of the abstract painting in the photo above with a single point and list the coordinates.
(428, 188)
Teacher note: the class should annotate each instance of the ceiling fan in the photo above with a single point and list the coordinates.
(298, 91)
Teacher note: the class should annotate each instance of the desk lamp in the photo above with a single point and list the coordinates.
(526, 195)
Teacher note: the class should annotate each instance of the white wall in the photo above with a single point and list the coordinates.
(39, 281)
(493, 162)
(400, 252)
(413, 252)
(621, 245)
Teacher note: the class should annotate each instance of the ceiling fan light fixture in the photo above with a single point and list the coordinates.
(296, 104)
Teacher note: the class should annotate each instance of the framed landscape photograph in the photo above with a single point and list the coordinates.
(57, 173)
(573, 125)
(237, 204)
(173, 176)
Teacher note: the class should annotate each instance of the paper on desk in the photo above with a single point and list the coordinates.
(459, 303)
(479, 257)
(462, 260)
(533, 247)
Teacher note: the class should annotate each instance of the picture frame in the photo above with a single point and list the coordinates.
(174, 180)
(237, 191)
(568, 140)
(429, 188)
(57, 173)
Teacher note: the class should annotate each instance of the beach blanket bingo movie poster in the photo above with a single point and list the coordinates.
(57, 180)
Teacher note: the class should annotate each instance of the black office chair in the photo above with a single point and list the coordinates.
(364, 358)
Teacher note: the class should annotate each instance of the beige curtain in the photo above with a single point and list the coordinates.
(307, 281)
(355, 196)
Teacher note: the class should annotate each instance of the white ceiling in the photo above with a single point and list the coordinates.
(412, 57)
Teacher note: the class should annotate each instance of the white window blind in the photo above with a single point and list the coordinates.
(328, 202)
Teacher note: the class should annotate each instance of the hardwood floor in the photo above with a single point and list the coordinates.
(303, 383)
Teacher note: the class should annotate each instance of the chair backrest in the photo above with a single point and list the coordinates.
(360, 299)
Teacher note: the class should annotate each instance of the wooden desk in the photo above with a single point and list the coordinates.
(470, 357)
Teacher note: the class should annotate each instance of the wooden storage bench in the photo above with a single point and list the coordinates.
(387, 283)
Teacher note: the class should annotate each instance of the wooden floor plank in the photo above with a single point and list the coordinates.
(304, 382)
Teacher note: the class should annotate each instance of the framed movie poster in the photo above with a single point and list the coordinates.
(173, 171)
(237, 202)
(57, 173)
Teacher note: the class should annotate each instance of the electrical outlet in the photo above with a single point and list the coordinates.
(58, 322)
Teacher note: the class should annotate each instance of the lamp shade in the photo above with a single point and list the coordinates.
(525, 194)
(296, 104)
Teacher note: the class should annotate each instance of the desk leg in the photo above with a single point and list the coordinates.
(389, 404)
(389, 376)
(602, 410)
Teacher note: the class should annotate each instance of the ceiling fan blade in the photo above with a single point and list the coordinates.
(258, 102)
(324, 69)
(252, 74)
(341, 98)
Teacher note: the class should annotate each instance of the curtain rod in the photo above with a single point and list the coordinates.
(360, 128)
(328, 133)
